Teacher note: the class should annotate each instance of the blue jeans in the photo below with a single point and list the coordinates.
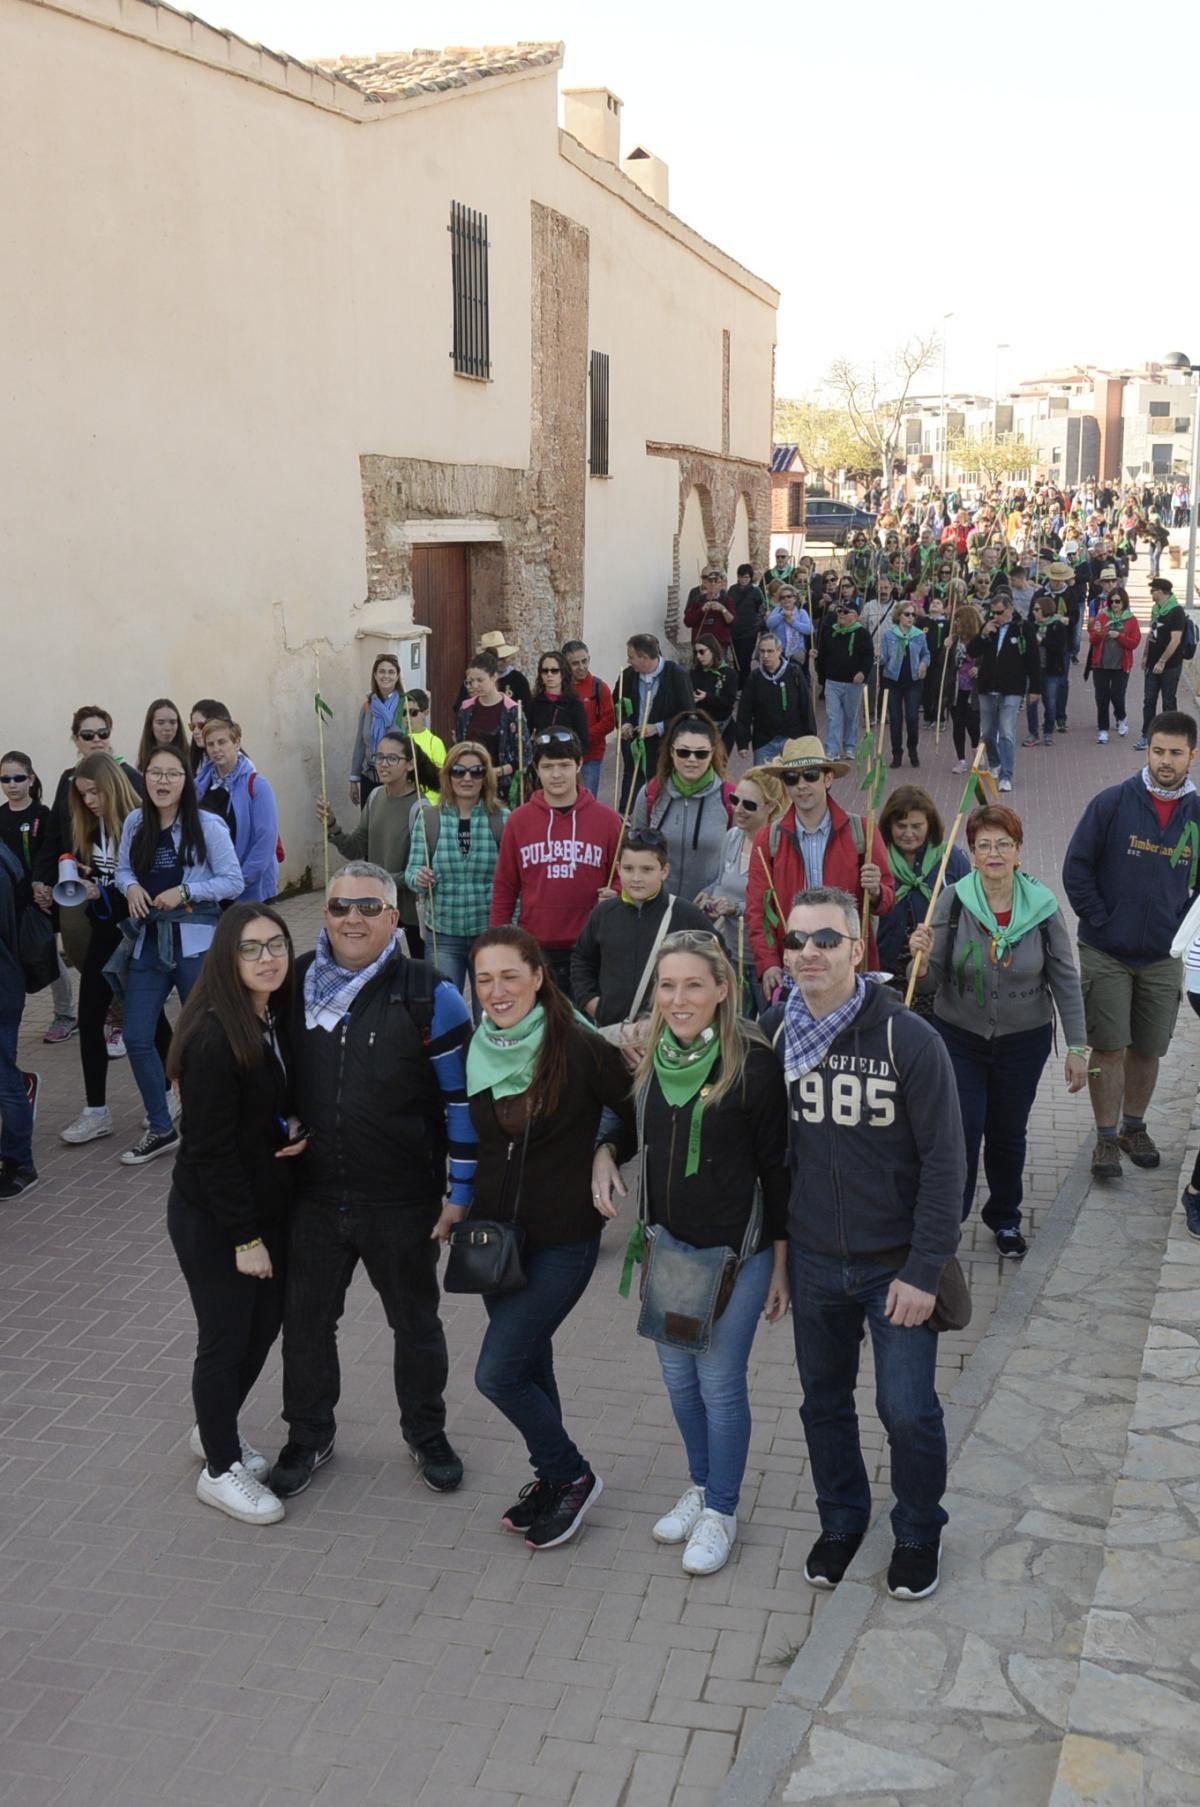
(770, 749)
(998, 725)
(148, 985)
(1054, 705)
(997, 1081)
(515, 1369)
(453, 960)
(843, 713)
(16, 1118)
(708, 1393)
(589, 775)
(831, 1302)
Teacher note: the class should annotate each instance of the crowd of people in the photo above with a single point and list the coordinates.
(790, 1031)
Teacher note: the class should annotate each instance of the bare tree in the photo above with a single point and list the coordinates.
(875, 400)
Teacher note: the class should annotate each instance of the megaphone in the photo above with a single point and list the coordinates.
(70, 888)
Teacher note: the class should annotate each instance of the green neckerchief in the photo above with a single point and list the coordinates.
(638, 901)
(682, 1073)
(1159, 608)
(1120, 617)
(502, 1060)
(1032, 903)
(913, 878)
(839, 629)
(688, 787)
(906, 634)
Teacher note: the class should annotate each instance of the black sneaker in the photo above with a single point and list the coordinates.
(830, 1557)
(16, 1178)
(1191, 1211)
(440, 1468)
(1011, 1244)
(532, 1501)
(562, 1517)
(295, 1467)
(149, 1146)
(914, 1570)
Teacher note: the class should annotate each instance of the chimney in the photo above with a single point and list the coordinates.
(593, 115)
(649, 172)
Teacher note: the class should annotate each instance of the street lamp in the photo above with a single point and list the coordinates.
(945, 317)
(1179, 360)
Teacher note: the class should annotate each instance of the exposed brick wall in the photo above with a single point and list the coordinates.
(718, 482)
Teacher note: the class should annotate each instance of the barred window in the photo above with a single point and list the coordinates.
(469, 269)
(598, 451)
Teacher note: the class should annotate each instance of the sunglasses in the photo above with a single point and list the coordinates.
(644, 840)
(796, 940)
(687, 938)
(744, 803)
(366, 906)
(94, 733)
(15, 777)
(466, 771)
(413, 709)
(551, 671)
(553, 737)
(277, 947)
(692, 752)
(809, 774)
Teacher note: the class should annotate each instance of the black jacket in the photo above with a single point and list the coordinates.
(610, 956)
(749, 607)
(715, 691)
(234, 1119)
(1005, 671)
(841, 656)
(559, 712)
(551, 1186)
(768, 710)
(671, 698)
(876, 1149)
(12, 973)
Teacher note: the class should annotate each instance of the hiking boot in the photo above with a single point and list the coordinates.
(440, 1468)
(564, 1515)
(16, 1177)
(830, 1557)
(711, 1541)
(531, 1502)
(1106, 1159)
(238, 1495)
(1191, 1211)
(62, 1028)
(1139, 1146)
(1011, 1244)
(914, 1571)
(294, 1468)
(88, 1126)
(149, 1146)
(677, 1525)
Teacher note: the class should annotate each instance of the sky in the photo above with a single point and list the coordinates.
(882, 165)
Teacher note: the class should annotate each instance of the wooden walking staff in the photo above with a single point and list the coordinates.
(968, 792)
(324, 713)
(520, 752)
(641, 741)
(877, 780)
(741, 970)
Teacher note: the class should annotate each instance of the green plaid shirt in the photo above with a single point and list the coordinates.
(462, 896)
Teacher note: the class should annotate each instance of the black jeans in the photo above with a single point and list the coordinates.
(558, 960)
(325, 1244)
(964, 720)
(1159, 693)
(237, 1317)
(904, 715)
(1110, 687)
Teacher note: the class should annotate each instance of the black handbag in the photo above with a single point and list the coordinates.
(485, 1253)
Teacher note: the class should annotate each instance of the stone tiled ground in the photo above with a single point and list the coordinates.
(384, 1645)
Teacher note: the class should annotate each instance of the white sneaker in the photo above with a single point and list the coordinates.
(88, 1126)
(239, 1496)
(677, 1525)
(114, 1042)
(960, 766)
(256, 1465)
(1122, 729)
(1102, 736)
(709, 1545)
(174, 1105)
(1006, 784)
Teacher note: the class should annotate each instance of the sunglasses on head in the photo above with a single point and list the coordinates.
(466, 771)
(811, 774)
(553, 737)
(644, 840)
(796, 940)
(687, 938)
(94, 733)
(366, 906)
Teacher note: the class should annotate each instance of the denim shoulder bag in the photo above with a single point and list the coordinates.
(485, 1253)
(683, 1289)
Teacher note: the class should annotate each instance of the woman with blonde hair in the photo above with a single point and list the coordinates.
(758, 800)
(712, 1130)
(452, 857)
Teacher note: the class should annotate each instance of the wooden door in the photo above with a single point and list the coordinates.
(442, 604)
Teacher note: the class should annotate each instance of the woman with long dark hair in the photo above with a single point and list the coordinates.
(910, 825)
(377, 715)
(554, 703)
(175, 868)
(163, 727)
(231, 1188)
(208, 709)
(383, 833)
(538, 1080)
(24, 825)
(714, 684)
(688, 801)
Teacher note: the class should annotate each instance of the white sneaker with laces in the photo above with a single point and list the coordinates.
(1122, 729)
(1006, 784)
(88, 1126)
(677, 1525)
(256, 1465)
(239, 1496)
(114, 1042)
(709, 1545)
(1102, 736)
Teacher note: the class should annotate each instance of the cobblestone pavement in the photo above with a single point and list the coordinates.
(385, 1645)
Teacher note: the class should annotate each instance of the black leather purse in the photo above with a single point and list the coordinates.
(485, 1253)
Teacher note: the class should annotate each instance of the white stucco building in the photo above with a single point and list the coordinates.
(262, 397)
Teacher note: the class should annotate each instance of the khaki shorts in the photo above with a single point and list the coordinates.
(1129, 1006)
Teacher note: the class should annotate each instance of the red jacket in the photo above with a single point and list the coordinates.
(597, 702)
(703, 616)
(1127, 639)
(787, 877)
(553, 862)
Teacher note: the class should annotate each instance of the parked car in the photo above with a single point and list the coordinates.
(834, 522)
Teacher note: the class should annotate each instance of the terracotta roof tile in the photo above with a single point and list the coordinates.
(400, 74)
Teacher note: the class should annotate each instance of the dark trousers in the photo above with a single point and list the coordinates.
(743, 655)
(1110, 687)
(832, 1300)
(237, 1319)
(16, 1116)
(904, 715)
(1158, 694)
(964, 721)
(95, 1001)
(558, 960)
(325, 1244)
(997, 1081)
(515, 1369)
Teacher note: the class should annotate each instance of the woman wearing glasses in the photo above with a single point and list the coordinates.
(712, 1124)
(689, 801)
(999, 961)
(415, 709)
(231, 1188)
(376, 716)
(758, 799)
(452, 857)
(554, 703)
(175, 868)
(383, 833)
(904, 666)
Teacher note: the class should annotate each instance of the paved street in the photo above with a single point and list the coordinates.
(385, 1645)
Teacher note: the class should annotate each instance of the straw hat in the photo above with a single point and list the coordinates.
(494, 641)
(805, 751)
(1059, 571)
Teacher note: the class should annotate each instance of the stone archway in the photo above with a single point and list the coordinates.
(720, 482)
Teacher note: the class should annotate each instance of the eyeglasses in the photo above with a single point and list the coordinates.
(15, 777)
(94, 733)
(744, 803)
(466, 771)
(1004, 845)
(277, 947)
(796, 940)
(692, 752)
(158, 776)
(366, 906)
(389, 759)
(809, 774)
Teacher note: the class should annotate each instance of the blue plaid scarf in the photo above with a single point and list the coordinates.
(328, 987)
(807, 1039)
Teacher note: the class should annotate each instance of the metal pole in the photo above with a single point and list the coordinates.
(1191, 559)
(945, 317)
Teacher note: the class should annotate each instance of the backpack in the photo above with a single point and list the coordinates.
(279, 854)
(431, 820)
(1191, 637)
(37, 949)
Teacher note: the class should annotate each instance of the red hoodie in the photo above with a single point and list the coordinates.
(553, 862)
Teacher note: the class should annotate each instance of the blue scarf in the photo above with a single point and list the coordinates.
(330, 987)
(383, 716)
(807, 1039)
